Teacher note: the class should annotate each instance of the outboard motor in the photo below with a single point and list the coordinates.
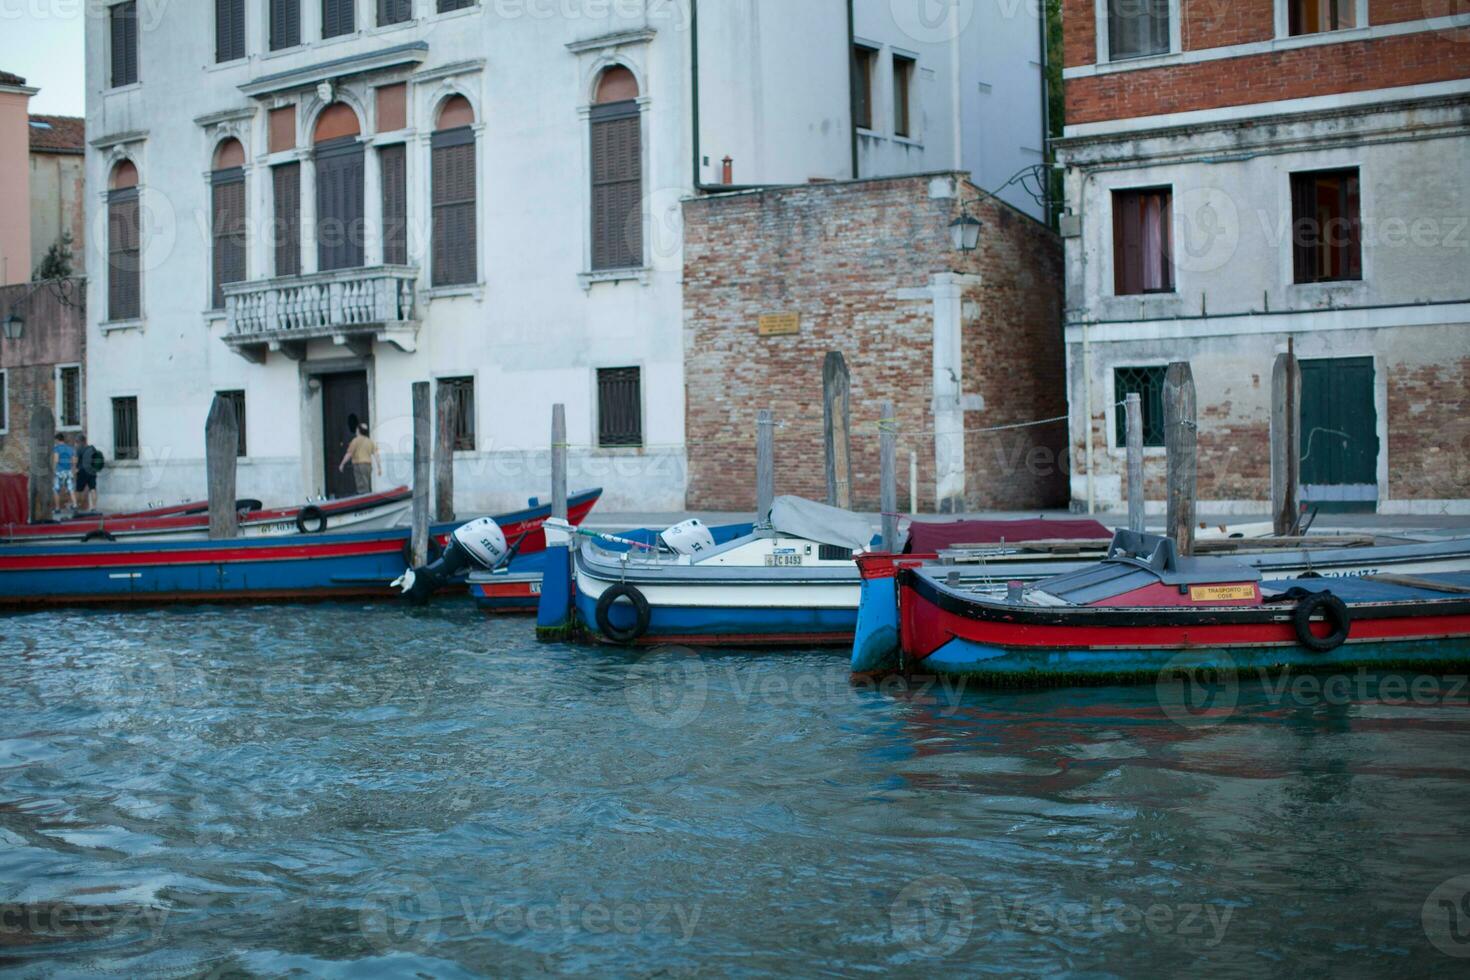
(479, 542)
(690, 538)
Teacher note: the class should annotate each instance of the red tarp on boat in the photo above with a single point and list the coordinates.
(15, 505)
(927, 538)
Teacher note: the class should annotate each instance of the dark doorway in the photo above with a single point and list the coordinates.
(344, 408)
(1339, 435)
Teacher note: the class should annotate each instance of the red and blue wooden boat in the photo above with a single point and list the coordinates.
(1144, 610)
(299, 567)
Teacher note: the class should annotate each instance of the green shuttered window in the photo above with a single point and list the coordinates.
(123, 21)
(229, 30)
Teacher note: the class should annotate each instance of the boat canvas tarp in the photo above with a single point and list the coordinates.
(808, 519)
(930, 538)
(15, 507)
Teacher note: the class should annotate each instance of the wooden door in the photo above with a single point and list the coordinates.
(344, 407)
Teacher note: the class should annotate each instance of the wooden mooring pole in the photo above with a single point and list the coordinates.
(765, 465)
(444, 454)
(42, 431)
(559, 461)
(221, 453)
(1133, 404)
(837, 408)
(1286, 443)
(422, 434)
(1181, 444)
(888, 475)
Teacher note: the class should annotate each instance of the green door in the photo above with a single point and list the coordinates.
(1339, 435)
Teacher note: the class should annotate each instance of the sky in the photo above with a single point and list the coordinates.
(41, 40)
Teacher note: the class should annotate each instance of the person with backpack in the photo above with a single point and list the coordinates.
(90, 462)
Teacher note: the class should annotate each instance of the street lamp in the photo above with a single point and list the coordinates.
(965, 232)
(14, 326)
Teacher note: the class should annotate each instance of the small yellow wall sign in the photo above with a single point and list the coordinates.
(780, 324)
(1222, 593)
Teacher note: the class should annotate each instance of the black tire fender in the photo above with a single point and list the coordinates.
(93, 536)
(311, 515)
(640, 609)
(1332, 609)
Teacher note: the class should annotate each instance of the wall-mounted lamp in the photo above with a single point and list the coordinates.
(965, 232)
(13, 325)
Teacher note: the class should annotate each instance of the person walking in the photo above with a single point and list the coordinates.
(89, 463)
(64, 461)
(362, 453)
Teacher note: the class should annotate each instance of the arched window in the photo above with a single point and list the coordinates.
(124, 244)
(455, 247)
(339, 189)
(617, 172)
(227, 217)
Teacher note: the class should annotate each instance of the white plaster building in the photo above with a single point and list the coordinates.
(312, 204)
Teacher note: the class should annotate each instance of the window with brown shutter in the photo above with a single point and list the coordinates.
(123, 21)
(864, 74)
(454, 235)
(285, 24)
(338, 17)
(229, 30)
(237, 399)
(123, 289)
(903, 94)
(339, 204)
(394, 12)
(617, 186)
(462, 407)
(125, 428)
(619, 408)
(1137, 28)
(1326, 227)
(392, 162)
(447, 5)
(228, 228)
(1142, 261)
(286, 181)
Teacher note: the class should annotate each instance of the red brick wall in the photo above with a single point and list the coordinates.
(1429, 431)
(1291, 74)
(838, 254)
(1216, 23)
(1079, 32)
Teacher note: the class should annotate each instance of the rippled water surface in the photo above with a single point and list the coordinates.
(343, 790)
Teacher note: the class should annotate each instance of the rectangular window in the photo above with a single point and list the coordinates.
(123, 288)
(339, 204)
(228, 229)
(1137, 28)
(864, 74)
(237, 398)
(447, 5)
(287, 187)
(617, 186)
(1141, 242)
(124, 23)
(229, 30)
(461, 394)
(1326, 227)
(455, 248)
(903, 93)
(1318, 16)
(4, 402)
(1148, 384)
(124, 428)
(394, 12)
(285, 24)
(69, 396)
(338, 17)
(619, 408)
(392, 162)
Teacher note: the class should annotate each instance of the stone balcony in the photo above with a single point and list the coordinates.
(350, 307)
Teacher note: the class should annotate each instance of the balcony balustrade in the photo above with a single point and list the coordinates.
(350, 307)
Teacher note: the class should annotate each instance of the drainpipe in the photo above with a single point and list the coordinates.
(697, 175)
(1046, 154)
(852, 86)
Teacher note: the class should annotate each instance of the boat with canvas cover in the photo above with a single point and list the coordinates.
(1144, 610)
(296, 567)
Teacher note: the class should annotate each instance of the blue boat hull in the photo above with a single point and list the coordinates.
(728, 625)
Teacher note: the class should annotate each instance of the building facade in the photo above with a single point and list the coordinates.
(15, 192)
(58, 199)
(312, 205)
(1243, 177)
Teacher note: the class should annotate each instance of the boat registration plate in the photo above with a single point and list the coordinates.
(1222, 593)
(777, 561)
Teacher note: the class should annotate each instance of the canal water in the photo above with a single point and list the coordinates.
(356, 791)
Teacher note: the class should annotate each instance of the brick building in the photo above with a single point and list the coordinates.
(43, 366)
(958, 341)
(1240, 176)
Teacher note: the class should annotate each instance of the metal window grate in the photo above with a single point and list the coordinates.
(462, 401)
(619, 408)
(125, 428)
(237, 398)
(1148, 382)
(69, 396)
